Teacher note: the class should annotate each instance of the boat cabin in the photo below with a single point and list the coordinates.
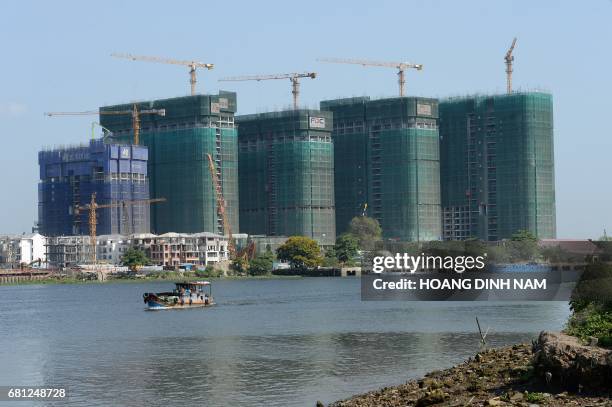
(197, 289)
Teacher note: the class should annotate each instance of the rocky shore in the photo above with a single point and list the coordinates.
(556, 370)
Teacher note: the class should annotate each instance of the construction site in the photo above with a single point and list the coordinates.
(497, 166)
(179, 143)
(287, 174)
(460, 168)
(387, 164)
(115, 174)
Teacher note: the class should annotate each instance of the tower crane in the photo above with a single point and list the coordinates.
(134, 112)
(293, 77)
(193, 65)
(93, 206)
(227, 228)
(509, 59)
(400, 66)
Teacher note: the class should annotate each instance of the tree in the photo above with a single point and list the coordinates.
(523, 246)
(330, 259)
(239, 265)
(301, 252)
(261, 265)
(346, 247)
(366, 230)
(134, 259)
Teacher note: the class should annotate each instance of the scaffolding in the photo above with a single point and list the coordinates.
(387, 155)
(179, 142)
(286, 174)
(70, 175)
(497, 155)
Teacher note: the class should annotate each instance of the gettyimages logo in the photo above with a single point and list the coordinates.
(462, 277)
(407, 263)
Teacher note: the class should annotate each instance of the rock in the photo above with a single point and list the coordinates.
(592, 341)
(517, 396)
(432, 397)
(429, 383)
(319, 404)
(571, 364)
(494, 402)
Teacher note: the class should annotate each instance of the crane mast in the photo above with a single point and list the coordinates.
(192, 65)
(400, 66)
(293, 77)
(509, 58)
(227, 229)
(92, 208)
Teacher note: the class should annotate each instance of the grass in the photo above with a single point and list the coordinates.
(535, 397)
(591, 305)
(592, 321)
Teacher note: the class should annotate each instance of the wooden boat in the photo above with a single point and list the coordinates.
(185, 295)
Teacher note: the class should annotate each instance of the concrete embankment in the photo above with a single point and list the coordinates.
(17, 276)
(556, 370)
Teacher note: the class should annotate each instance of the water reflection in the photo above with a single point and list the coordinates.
(276, 343)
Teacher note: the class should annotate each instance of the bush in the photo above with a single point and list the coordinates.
(261, 265)
(591, 305)
(592, 320)
(208, 272)
(239, 266)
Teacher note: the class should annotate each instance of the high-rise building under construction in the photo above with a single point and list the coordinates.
(497, 166)
(386, 155)
(287, 174)
(193, 126)
(70, 175)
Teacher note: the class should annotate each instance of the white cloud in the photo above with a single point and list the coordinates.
(12, 109)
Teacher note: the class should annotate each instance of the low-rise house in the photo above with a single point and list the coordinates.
(175, 249)
(23, 250)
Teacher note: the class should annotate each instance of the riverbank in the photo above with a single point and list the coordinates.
(171, 277)
(496, 377)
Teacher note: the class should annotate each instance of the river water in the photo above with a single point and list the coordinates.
(268, 342)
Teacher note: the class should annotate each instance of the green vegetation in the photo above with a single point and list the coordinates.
(239, 266)
(523, 246)
(346, 247)
(330, 259)
(591, 305)
(535, 397)
(261, 265)
(209, 272)
(366, 230)
(134, 259)
(301, 252)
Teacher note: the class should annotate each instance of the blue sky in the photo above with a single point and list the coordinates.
(56, 56)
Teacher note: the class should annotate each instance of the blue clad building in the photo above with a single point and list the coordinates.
(70, 175)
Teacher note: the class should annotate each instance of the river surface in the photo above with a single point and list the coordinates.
(268, 342)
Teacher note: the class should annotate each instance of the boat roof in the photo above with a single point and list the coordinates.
(193, 283)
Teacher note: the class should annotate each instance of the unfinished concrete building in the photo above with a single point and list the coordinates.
(287, 174)
(497, 172)
(386, 155)
(178, 143)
